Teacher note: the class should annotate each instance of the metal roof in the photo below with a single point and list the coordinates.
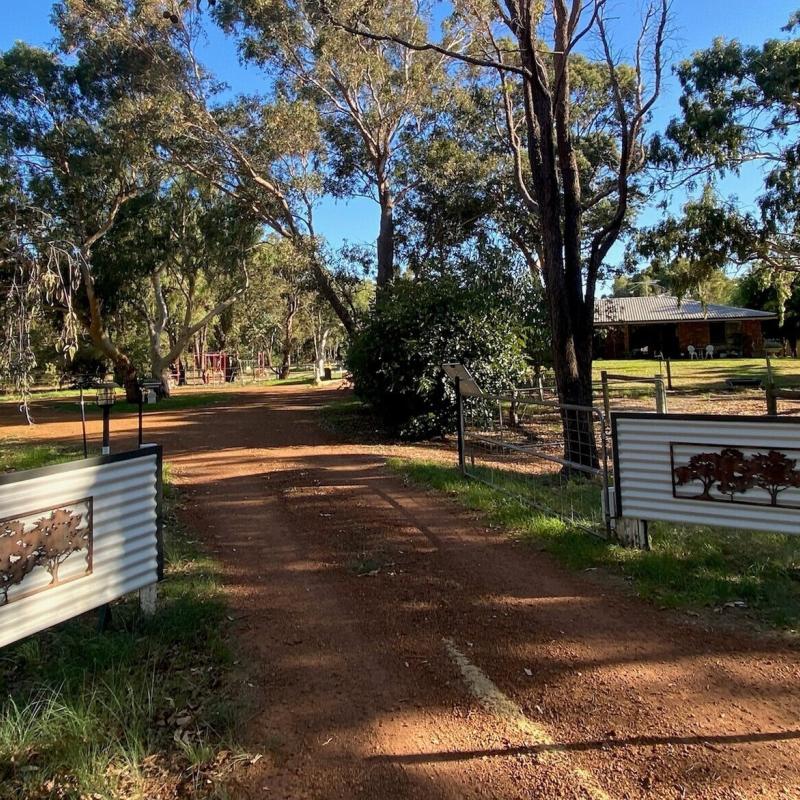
(665, 308)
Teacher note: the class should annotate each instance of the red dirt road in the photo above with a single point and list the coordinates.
(398, 649)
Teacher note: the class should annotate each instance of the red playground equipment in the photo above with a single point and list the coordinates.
(215, 369)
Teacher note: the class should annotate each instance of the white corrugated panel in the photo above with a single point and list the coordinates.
(124, 499)
(644, 469)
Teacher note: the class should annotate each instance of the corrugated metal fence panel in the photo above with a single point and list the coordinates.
(643, 466)
(125, 531)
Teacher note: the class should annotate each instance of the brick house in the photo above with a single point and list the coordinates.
(646, 326)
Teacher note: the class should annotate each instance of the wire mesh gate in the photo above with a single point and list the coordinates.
(553, 456)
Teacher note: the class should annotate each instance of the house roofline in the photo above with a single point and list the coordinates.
(622, 323)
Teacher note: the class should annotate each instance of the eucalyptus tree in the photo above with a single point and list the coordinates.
(75, 132)
(184, 254)
(376, 98)
(38, 272)
(739, 110)
(325, 335)
(530, 48)
(265, 152)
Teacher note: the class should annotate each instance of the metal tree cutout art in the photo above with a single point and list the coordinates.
(775, 472)
(735, 473)
(731, 472)
(48, 543)
(702, 467)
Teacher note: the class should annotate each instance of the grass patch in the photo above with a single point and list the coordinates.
(16, 456)
(701, 374)
(142, 710)
(688, 567)
(180, 399)
(9, 396)
(177, 402)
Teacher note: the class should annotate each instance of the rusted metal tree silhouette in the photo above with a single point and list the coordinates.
(774, 472)
(731, 472)
(702, 467)
(735, 472)
(48, 543)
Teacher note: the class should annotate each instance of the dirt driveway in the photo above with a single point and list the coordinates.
(398, 649)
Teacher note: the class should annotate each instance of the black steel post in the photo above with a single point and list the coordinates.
(141, 400)
(106, 437)
(103, 618)
(83, 426)
(669, 373)
(460, 422)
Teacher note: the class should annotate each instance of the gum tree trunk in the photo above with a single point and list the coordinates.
(385, 246)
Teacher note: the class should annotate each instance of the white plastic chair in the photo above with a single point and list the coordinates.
(691, 351)
(709, 351)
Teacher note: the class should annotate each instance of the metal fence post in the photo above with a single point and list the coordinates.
(83, 425)
(661, 396)
(460, 422)
(669, 372)
(141, 403)
(606, 498)
(606, 399)
(106, 430)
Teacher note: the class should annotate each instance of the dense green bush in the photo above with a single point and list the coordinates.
(416, 327)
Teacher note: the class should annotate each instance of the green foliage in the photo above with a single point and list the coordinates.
(759, 289)
(374, 99)
(739, 106)
(417, 326)
(680, 277)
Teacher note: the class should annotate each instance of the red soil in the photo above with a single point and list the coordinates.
(344, 584)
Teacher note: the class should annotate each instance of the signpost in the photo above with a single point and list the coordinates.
(461, 375)
(465, 385)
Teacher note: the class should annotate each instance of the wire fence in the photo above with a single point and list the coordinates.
(553, 456)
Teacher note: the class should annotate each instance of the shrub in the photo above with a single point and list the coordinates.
(414, 328)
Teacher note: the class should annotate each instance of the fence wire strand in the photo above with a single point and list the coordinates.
(549, 455)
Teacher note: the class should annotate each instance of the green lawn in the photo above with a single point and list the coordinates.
(180, 399)
(177, 402)
(688, 568)
(126, 713)
(704, 375)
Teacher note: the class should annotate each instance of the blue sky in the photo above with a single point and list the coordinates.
(695, 22)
